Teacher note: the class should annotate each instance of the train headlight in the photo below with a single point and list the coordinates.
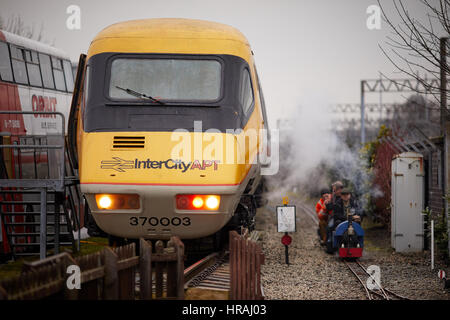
(212, 202)
(104, 201)
(117, 201)
(206, 202)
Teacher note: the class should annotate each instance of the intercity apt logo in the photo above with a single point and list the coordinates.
(121, 165)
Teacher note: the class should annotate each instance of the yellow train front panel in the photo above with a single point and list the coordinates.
(168, 127)
(157, 176)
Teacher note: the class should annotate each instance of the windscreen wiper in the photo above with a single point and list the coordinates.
(139, 95)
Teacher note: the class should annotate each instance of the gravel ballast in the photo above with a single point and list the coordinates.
(315, 275)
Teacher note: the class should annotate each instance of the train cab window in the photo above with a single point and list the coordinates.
(58, 74)
(18, 64)
(34, 72)
(5, 63)
(86, 87)
(169, 79)
(46, 69)
(68, 75)
(246, 96)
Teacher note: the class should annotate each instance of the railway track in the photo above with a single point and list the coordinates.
(310, 212)
(229, 274)
(380, 293)
(356, 268)
(211, 273)
(359, 271)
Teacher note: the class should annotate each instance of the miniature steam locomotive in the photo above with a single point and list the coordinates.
(347, 239)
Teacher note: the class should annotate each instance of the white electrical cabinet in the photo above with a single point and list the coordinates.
(407, 202)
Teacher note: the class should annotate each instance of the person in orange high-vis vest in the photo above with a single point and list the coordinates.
(323, 214)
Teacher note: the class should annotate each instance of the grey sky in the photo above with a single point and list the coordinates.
(305, 51)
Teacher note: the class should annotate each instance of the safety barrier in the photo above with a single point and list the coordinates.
(245, 268)
(106, 275)
(62, 189)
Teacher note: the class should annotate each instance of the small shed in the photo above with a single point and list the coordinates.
(407, 229)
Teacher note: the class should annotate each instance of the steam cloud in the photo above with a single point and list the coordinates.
(312, 155)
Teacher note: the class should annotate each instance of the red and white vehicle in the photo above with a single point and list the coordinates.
(33, 77)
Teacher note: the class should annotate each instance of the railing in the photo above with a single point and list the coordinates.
(109, 274)
(59, 184)
(56, 184)
(245, 268)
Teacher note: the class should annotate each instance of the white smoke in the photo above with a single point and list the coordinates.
(310, 149)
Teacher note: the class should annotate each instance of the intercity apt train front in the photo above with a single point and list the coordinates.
(166, 123)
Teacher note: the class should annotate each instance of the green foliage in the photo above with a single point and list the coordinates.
(441, 236)
(369, 150)
(368, 153)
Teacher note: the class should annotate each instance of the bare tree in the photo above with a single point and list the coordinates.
(414, 46)
(16, 25)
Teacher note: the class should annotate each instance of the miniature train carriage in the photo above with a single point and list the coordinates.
(348, 239)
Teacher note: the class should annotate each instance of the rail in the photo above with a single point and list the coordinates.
(308, 211)
(191, 272)
(379, 293)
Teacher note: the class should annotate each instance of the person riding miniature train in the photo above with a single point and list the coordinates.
(323, 214)
(346, 205)
(336, 189)
(344, 209)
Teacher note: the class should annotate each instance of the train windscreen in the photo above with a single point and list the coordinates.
(165, 79)
(165, 92)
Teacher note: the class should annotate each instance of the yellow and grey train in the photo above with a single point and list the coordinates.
(162, 112)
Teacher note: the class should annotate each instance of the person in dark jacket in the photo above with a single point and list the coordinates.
(345, 206)
(336, 189)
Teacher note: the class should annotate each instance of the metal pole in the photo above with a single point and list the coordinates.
(444, 67)
(381, 98)
(363, 132)
(56, 221)
(286, 250)
(432, 244)
(43, 225)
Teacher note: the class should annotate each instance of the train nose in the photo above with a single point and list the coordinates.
(156, 211)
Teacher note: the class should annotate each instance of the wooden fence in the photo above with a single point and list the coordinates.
(109, 274)
(245, 268)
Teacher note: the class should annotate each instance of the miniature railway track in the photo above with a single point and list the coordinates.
(308, 211)
(358, 276)
(357, 269)
(360, 272)
(211, 272)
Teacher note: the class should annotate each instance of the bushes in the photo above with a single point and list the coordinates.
(379, 155)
